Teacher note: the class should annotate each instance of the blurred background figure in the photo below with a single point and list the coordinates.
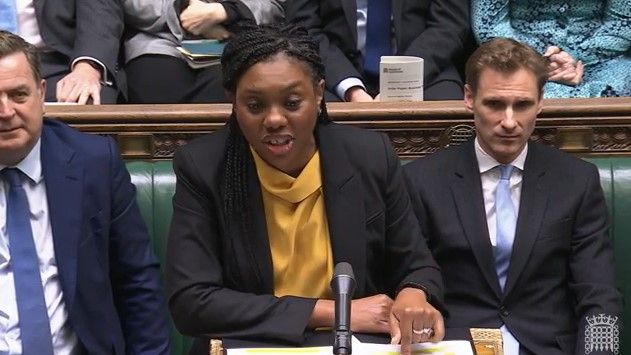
(156, 70)
(353, 34)
(78, 42)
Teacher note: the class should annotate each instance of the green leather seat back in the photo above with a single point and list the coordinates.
(615, 179)
(155, 183)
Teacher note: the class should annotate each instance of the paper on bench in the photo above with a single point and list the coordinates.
(451, 347)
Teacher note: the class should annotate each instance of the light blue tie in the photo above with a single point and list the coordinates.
(506, 219)
(33, 318)
(8, 16)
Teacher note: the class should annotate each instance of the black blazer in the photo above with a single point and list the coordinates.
(561, 269)
(82, 28)
(224, 288)
(433, 29)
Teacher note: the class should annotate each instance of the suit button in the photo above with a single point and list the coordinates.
(504, 312)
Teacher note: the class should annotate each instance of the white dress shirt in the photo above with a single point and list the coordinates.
(63, 337)
(27, 23)
(490, 176)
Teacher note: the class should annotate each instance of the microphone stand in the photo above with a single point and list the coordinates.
(343, 286)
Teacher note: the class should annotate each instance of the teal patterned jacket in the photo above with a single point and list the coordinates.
(596, 32)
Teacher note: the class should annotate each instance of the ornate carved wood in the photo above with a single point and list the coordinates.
(581, 126)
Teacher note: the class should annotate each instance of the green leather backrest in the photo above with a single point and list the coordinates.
(615, 179)
(155, 186)
(155, 183)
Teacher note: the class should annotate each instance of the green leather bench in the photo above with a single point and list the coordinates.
(155, 182)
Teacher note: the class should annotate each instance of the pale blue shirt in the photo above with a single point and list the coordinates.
(490, 176)
(63, 337)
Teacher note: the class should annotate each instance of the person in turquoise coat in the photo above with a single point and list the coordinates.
(588, 42)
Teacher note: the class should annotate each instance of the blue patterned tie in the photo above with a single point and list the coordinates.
(378, 34)
(8, 16)
(506, 219)
(33, 317)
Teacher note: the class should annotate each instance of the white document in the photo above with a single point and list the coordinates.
(451, 347)
(401, 78)
(323, 350)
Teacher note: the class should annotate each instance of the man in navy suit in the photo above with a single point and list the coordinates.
(519, 229)
(94, 279)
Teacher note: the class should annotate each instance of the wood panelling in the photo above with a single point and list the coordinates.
(582, 126)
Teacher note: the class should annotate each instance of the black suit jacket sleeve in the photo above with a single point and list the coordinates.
(446, 26)
(99, 26)
(326, 21)
(591, 260)
(407, 247)
(200, 301)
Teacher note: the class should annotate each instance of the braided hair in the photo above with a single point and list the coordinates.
(254, 44)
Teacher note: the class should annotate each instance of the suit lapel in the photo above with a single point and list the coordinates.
(344, 204)
(467, 194)
(39, 8)
(397, 20)
(63, 176)
(350, 12)
(260, 247)
(532, 206)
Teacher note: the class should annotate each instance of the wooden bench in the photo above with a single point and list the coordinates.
(582, 126)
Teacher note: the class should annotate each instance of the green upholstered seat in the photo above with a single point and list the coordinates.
(155, 184)
(615, 179)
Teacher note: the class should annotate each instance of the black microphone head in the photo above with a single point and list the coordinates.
(343, 280)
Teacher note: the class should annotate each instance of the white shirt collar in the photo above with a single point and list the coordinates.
(487, 162)
(31, 165)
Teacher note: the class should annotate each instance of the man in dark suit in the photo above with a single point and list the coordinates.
(77, 271)
(519, 229)
(79, 43)
(435, 30)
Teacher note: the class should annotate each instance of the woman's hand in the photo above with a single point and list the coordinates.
(563, 68)
(199, 17)
(414, 320)
(371, 314)
(368, 315)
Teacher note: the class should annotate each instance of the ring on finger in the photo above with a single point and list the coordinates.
(424, 331)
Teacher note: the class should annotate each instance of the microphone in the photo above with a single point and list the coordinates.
(343, 286)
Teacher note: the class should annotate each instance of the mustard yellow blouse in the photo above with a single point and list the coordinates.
(297, 228)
